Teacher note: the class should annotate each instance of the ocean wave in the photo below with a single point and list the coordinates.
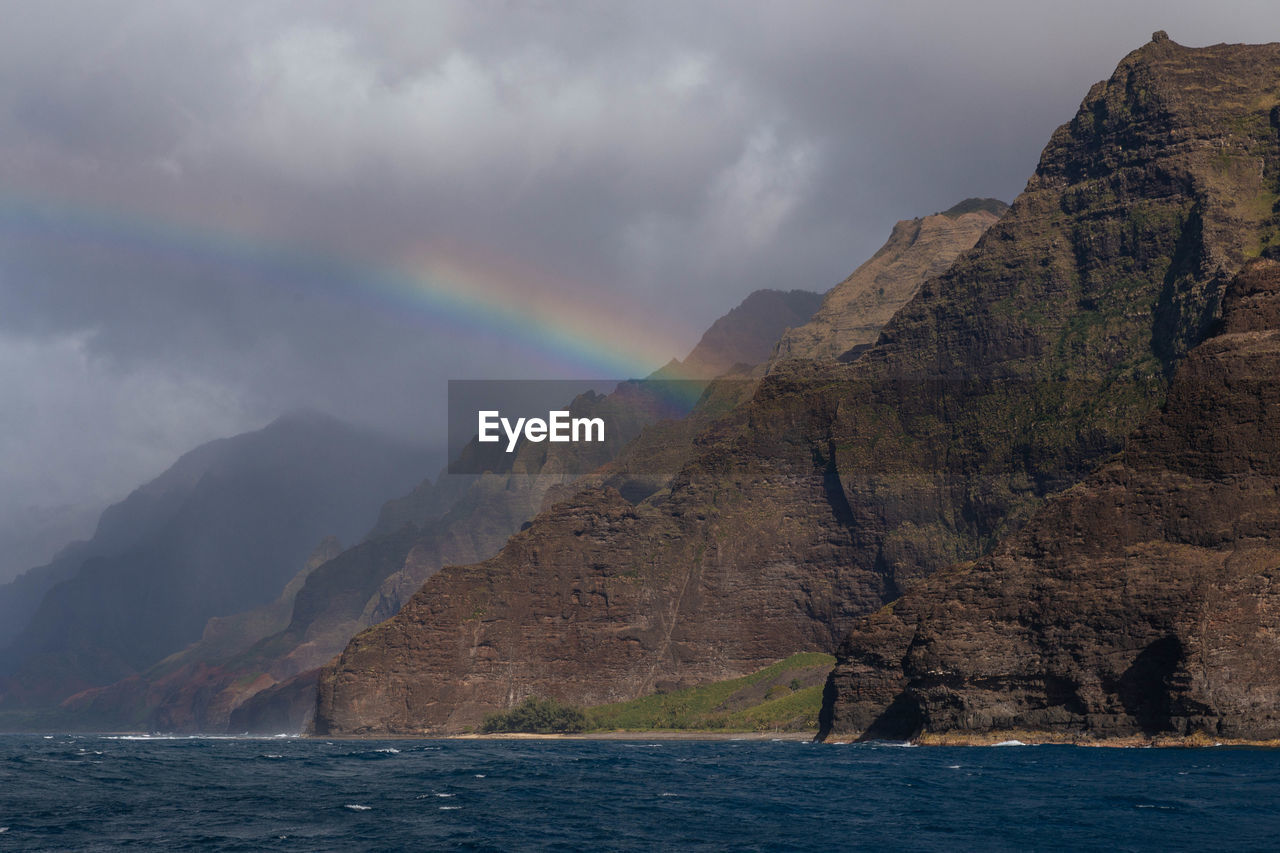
(357, 807)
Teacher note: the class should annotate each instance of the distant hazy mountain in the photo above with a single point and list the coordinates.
(120, 527)
(220, 532)
(748, 333)
(33, 535)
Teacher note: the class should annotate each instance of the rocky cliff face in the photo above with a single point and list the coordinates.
(1005, 379)
(855, 310)
(1142, 601)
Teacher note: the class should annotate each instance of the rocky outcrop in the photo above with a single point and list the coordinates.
(855, 310)
(1007, 378)
(1143, 601)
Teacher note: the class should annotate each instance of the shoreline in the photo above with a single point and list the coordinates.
(665, 734)
(1022, 737)
(654, 735)
(927, 739)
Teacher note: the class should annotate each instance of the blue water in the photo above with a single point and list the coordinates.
(94, 793)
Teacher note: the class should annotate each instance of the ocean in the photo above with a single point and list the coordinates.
(89, 792)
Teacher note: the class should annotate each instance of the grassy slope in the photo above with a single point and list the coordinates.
(763, 701)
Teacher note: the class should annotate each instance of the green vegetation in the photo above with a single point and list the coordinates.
(785, 696)
(537, 716)
(973, 205)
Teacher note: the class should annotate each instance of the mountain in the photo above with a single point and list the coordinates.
(837, 487)
(120, 527)
(220, 532)
(266, 683)
(1144, 601)
(747, 335)
(30, 534)
(853, 312)
(256, 671)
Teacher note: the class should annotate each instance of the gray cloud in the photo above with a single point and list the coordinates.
(196, 204)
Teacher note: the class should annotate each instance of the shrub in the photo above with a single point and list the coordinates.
(537, 716)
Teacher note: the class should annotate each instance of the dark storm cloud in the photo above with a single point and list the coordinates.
(665, 157)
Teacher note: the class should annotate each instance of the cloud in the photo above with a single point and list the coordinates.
(74, 427)
(194, 202)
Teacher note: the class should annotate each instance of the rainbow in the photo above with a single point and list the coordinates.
(559, 324)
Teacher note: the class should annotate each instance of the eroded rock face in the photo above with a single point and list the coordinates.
(1144, 600)
(855, 310)
(1007, 378)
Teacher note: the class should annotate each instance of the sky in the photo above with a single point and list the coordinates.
(211, 214)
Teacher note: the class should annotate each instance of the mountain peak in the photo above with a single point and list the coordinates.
(994, 206)
(854, 311)
(747, 334)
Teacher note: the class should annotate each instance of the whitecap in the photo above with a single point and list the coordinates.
(668, 794)
(48, 737)
(953, 766)
(4, 829)
(479, 775)
(176, 737)
(356, 807)
(444, 795)
(1009, 743)
(391, 750)
(449, 808)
